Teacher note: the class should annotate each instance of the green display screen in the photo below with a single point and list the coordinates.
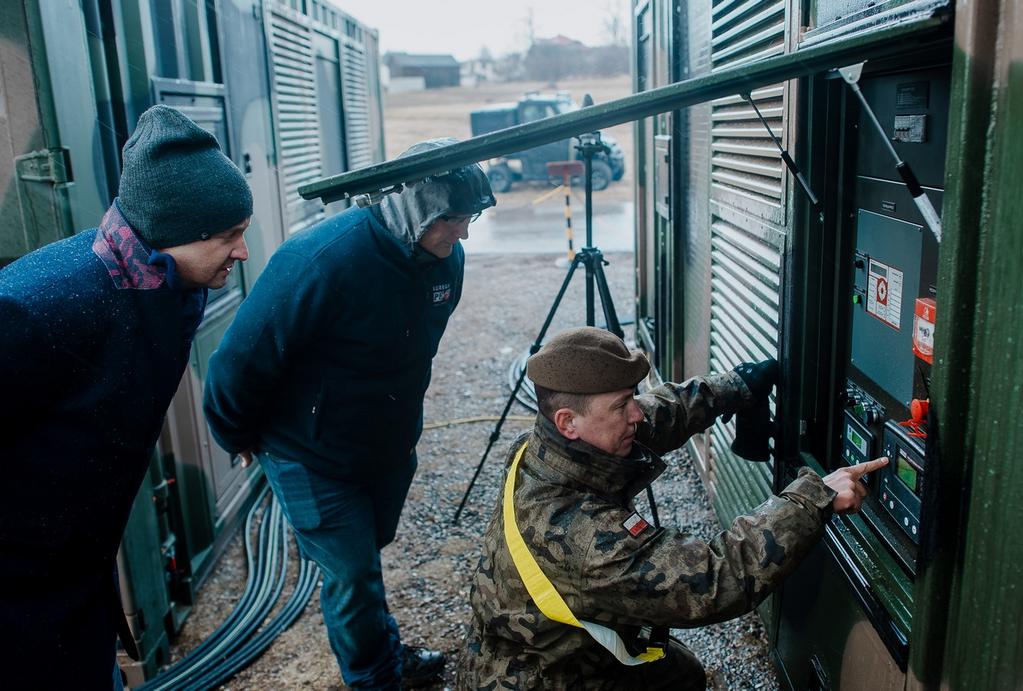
(907, 473)
(857, 441)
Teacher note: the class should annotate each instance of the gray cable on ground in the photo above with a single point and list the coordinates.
(243, 636)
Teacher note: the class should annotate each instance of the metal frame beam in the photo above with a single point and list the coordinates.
(883, 42)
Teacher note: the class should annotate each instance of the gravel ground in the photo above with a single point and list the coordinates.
(428, 568)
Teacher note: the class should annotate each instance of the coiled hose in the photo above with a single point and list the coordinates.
(243, 637)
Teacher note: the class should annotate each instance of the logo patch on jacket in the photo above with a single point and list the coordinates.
(635, 524)
(441, 293)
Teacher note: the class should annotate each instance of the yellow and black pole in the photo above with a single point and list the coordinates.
(566, 170)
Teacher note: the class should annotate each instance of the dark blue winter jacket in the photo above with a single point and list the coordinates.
(328, 358)
(92, 348)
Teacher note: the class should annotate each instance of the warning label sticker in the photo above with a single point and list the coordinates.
(884, 293)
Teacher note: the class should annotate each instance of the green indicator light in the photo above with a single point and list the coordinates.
(856, 299)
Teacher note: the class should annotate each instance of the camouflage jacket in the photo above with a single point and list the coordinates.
(571, 501)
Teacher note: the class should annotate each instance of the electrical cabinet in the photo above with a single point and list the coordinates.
(878, 310)
(892, 298)
(925, 569)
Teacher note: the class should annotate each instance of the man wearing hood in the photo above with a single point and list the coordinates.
(322, 375)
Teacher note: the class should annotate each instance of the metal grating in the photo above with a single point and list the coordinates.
(356, 96)
(746, 30)
(294, 75)
(747, 189)
(745, 290)
(746, 168)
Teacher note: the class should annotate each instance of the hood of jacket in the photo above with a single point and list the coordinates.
(459, 192)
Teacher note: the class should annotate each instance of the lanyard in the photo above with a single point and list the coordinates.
(543, 592)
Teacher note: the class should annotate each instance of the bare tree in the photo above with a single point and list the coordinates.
(530, 27)
(614, 25)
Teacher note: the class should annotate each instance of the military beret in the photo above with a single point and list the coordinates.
(587, 360)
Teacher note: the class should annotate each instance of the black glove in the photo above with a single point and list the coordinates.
(759, 377)
(753, 426)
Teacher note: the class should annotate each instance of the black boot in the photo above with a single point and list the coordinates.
(420, 666)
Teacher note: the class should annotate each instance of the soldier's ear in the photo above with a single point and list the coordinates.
(564, 420)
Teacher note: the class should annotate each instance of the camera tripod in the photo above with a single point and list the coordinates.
(593, 260)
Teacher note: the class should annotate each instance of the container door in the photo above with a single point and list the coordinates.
(290, 37)
(56, 165)
(358, 98)
(333, 141)
(882, 303)
(211, 482)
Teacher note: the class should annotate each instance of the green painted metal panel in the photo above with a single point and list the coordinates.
(143, 583)
(851, 656)
(968, 597)
(71, 90)
(978, 383)
(986, 620)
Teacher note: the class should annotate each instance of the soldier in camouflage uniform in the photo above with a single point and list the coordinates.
(593, 449)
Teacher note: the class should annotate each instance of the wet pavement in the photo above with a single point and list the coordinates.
(528, 228)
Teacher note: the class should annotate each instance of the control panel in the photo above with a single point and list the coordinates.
(900, 480)
(892, 270)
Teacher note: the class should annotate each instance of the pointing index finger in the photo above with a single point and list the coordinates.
(861, 469)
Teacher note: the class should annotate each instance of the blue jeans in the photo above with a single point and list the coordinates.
(342, 527)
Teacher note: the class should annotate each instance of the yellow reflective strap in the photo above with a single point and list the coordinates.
(540, 588)
(651, 654)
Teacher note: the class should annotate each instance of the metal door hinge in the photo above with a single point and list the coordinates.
(46, 165)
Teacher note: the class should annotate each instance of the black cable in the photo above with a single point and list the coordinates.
(167, 676)
(240, 658)
(242, 637)
(308, 578)
(309, 575)
(250, 617)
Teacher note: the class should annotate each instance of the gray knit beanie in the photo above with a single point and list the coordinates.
(176, 184)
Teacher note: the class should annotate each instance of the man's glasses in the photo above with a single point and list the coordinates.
(459, 219)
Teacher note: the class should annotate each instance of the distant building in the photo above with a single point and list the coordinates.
(478, 71)
(437, 71)
(560, 41)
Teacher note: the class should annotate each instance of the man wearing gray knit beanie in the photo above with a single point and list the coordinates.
(97, 333)
(181, 194)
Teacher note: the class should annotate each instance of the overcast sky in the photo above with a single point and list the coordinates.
(463, 27)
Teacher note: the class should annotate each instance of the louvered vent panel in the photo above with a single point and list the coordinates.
(746, 168)
(355, 92)
(746, 30)
(745, 293)
(295, 96)
(745, 164)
